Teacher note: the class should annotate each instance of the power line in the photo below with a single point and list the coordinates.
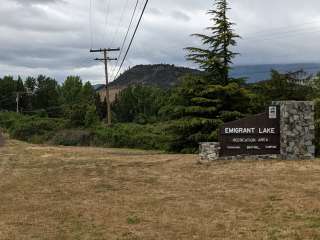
(133, 36)
(125, 38)
(120, 22)
(91, 24)
(107, 17)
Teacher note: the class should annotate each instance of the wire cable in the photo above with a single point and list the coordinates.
(125, 38)
(133, 36)
(107, 18)
(91, 25)
(120, 22)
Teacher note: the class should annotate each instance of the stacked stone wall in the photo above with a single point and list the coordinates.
(297, 128)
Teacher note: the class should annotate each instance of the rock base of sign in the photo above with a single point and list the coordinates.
(209, 152)
(297, 130)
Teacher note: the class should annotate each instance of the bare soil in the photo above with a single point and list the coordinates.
(119, 194)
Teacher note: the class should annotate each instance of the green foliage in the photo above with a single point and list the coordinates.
(27, 127)
(139, 104)
(71, 90)
(133, 220)
(199, 108)
(57, 131)
(81, 115)
(46, 95)
(132, 135)
(289, 86)
(72, 137)
(8, 88)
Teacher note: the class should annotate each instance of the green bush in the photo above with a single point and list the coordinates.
(56, 131)
(8, 119)
(131, 136)
(72, 138)
(24, 130)
(30, 128)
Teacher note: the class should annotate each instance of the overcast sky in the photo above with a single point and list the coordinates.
(54, 36)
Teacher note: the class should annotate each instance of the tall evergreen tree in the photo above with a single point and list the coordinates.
(200, 104)
(216, 56)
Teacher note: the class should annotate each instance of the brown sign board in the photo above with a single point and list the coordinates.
(256, 135)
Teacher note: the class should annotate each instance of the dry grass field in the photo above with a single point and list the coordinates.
(92, 193)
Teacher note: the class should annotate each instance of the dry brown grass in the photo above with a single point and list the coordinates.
(92, 193)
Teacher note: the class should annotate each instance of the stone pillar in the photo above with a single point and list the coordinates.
(209, 151)
(297, 127)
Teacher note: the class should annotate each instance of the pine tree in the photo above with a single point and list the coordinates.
(215, 59)
(201, 104)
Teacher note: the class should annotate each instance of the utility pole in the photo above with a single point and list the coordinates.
(105, 60)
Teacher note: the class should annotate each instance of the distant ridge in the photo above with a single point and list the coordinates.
(162, 75)
(255, 73)
(166, 76)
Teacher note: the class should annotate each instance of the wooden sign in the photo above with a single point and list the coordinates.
(256, 135)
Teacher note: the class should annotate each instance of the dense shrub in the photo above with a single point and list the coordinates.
(72, 138)
(30, 128)
(132, 136)
(57, 131)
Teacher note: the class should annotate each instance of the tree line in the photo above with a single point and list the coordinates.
(44, 96)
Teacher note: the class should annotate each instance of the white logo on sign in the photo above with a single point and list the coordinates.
(272, 112)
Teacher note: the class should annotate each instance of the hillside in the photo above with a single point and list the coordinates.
(162, 75)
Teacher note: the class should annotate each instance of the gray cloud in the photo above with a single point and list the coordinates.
(53, 36)
(30, 2)
(180, 16)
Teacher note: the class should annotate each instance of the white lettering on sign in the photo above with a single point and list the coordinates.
(271, 147)
(253, 148)
(239, 130)
(249, 130)
(244, 140)
(263, 140)
(233, 147)
(267, 130)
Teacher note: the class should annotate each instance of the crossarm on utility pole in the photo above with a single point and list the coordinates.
(105, 49)
(108, 59)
